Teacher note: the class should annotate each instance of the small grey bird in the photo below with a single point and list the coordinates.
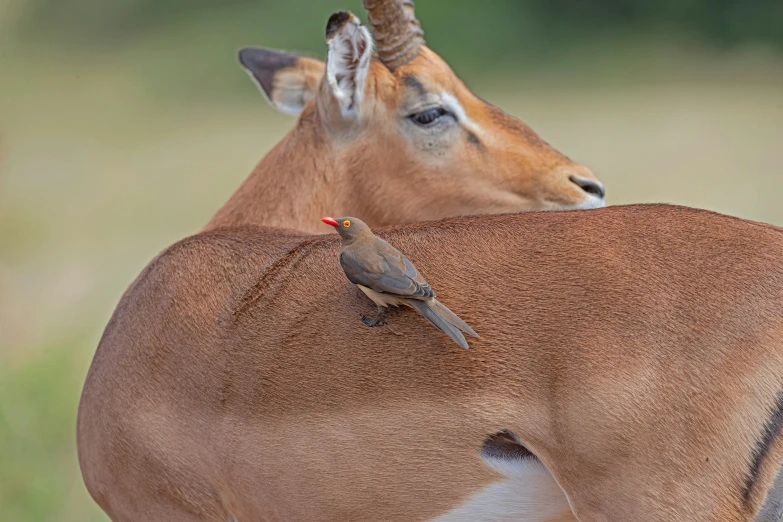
(390, 279)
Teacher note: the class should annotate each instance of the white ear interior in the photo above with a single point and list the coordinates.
(347, 63)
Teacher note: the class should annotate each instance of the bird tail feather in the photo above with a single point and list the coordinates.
(425, 309)
(453, 318)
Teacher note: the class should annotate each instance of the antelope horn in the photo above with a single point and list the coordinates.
(398, 35)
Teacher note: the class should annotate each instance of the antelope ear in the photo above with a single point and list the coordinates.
(287, 81)
(349, 47)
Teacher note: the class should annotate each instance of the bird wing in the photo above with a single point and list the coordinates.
(382, 268)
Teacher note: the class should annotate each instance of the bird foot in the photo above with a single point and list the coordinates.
(371, 322)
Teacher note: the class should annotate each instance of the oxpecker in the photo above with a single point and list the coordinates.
(390, 279)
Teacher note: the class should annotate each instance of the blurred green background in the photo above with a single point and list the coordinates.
(124, 124)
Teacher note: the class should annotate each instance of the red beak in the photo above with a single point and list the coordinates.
(330, 221)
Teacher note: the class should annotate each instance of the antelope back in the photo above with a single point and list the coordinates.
(637, 352)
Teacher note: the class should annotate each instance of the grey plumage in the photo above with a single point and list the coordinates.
(381, 267)
(452, 318)
(426, 309)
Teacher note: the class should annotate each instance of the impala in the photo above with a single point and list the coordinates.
(630, 368)
(630, 365)
(392, 138)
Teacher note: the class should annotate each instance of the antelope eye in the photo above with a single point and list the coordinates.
(428, 117)
(347, 224)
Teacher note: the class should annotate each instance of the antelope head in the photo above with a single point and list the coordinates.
(395, 135)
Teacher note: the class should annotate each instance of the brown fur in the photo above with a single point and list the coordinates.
(636, 351)
(373, 169)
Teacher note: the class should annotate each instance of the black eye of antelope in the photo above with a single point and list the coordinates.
(429, 116)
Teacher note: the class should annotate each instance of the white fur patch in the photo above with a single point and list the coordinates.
(528, 493)
(591, 201)
(452, 104)
(347, 64)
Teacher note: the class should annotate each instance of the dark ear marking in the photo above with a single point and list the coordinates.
(336, 22)
(263, 64)
(287, 81)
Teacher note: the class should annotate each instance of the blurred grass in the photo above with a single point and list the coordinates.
(38, 481)
(109, 155)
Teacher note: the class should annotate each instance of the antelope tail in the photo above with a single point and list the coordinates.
(436, 315)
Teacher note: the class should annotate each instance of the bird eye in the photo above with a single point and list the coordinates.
(347, 224)
(428, 117)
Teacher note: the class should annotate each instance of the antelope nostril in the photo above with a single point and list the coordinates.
(591, 187)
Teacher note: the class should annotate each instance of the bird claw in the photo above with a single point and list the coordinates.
(371, 322)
